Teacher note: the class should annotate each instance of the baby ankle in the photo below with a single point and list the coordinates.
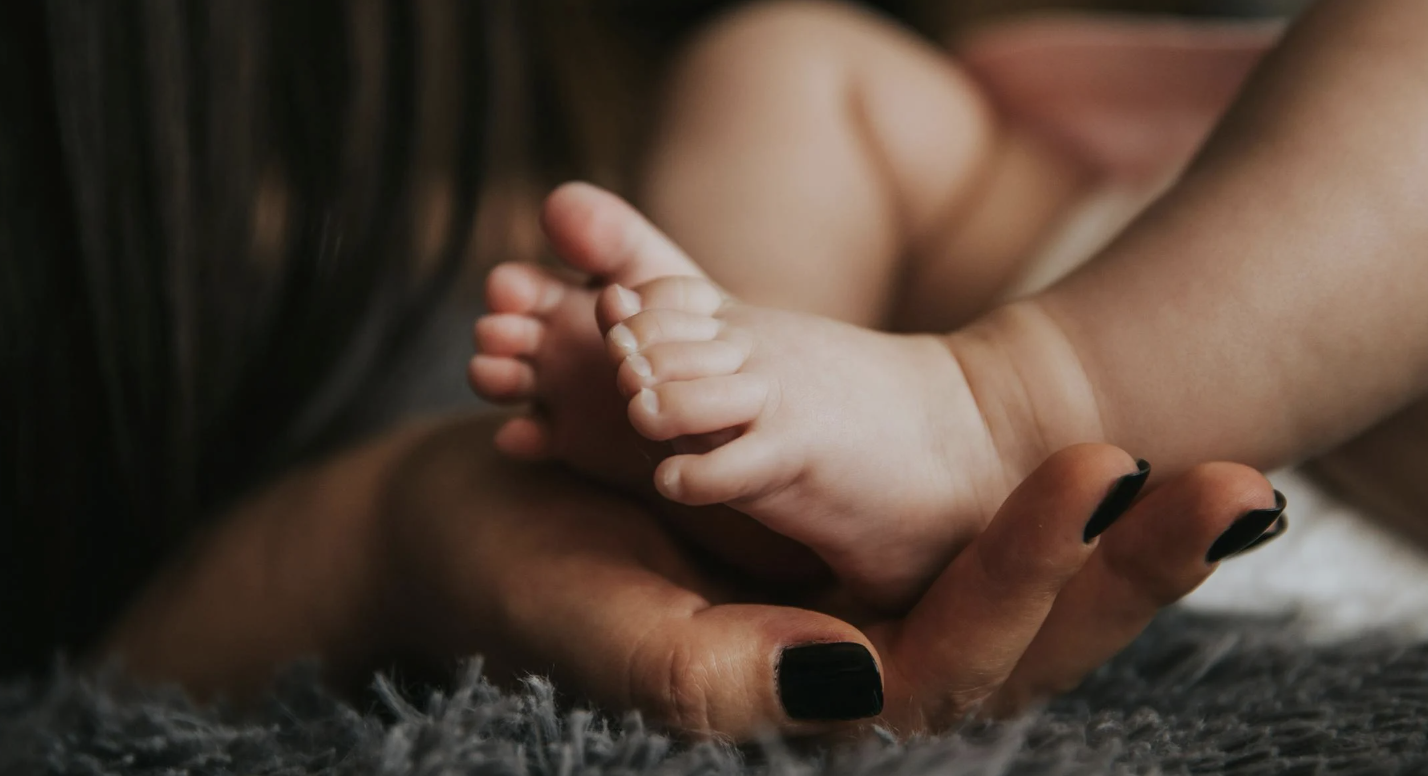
(1029, 383)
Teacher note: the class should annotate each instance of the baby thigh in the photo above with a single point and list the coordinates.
(806, 150)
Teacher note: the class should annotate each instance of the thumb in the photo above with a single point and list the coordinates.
(620, 621)
(747, 670)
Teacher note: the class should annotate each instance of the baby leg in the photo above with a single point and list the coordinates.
(807, 150)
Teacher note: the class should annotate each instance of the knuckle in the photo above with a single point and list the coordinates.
(1158, 579)
(676, 690)
(1018, 574)
(935, 713)
(1155, 578)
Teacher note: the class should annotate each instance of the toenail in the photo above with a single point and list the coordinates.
(670, 482)
(630, 302)
(640, 365)
(624, 339)
(649, 401)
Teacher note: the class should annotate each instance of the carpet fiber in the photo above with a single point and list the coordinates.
(1193, 695)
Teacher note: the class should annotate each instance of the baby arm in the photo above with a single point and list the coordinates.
(1272, 303)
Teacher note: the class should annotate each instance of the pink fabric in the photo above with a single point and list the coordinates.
(1133, 96)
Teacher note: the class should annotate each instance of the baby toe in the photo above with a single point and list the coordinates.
(684, 294)
(690, 407)
(690, 294)
(653, 327)
(614, 304)
(671, 361)
(595, 231)
(508, 335)
(500, 379)
(523, 289)
(745, 468)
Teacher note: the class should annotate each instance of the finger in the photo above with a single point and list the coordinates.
(734, 670)
(543, 573)
(1153, 556)
(962, 640)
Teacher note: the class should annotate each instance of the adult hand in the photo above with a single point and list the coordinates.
(542, 573)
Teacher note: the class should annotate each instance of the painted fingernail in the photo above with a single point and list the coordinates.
(829, 682)
(1117, 501)
(1250, 531)
(630, 302)
(1280, 527)
(624, 339)
(640, 365)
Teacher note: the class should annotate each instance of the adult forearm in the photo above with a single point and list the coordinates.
(1272, 303)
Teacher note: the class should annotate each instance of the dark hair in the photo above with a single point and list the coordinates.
(219, 224)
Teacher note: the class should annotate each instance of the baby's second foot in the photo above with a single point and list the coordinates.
(539, 345)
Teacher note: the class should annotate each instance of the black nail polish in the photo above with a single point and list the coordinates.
(1117, 501)
(1280, 527)
(1249, 531)
(829, 682)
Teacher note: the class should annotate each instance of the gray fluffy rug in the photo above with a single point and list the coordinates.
(1194, 695)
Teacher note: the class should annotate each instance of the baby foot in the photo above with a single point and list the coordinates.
(867, 447)
(539, 344)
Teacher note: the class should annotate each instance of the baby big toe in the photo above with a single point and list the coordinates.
(597, 232)
(677, 361)
(500, 379)
(653, 327)
(677, 409)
